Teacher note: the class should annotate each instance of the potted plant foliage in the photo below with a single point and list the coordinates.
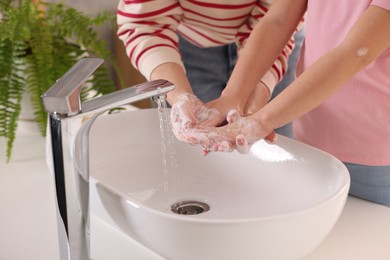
(39, 42)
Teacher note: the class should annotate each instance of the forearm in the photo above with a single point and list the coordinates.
(313, 87)
(150, 40)
(368, 38)
(258, 99)
(263, 47)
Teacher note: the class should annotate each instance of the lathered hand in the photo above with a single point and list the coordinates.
(240, 133)
(189, 113)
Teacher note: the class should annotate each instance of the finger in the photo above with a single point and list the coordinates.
(205, 151)
(242, 145)
(226, 146)
(222, 146)
(272, 138)
(203, 141)
(215, 148)
(232, 116)
(191, 137)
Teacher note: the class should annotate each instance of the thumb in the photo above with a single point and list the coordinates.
(232, 116)
(242, 145)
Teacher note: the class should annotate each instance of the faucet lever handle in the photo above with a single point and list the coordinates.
(64, 96)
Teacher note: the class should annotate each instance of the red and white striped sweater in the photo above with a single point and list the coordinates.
(149, 30)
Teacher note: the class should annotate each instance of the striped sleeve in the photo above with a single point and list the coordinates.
(148, 30)
(275, 74)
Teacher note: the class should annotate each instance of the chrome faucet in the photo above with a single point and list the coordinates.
(69, 125)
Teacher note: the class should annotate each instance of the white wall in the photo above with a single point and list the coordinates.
(93, 8)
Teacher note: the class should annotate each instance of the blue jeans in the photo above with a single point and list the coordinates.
(370, 182)
(209, 69)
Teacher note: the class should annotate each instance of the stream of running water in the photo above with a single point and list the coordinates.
(169, 160)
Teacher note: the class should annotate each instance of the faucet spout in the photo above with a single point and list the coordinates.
(64, 96)
(70, 120)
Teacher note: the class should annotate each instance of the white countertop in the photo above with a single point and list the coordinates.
(28, 226)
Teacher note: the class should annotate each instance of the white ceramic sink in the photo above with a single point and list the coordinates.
(279, 202)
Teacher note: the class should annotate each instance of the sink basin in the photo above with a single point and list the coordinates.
(278, 202)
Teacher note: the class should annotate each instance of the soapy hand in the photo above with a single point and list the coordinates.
(240, 133)
(189, 113)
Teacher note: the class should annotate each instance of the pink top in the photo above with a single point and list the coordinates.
(354, 124)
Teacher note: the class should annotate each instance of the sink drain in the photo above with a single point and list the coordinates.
(189, 207)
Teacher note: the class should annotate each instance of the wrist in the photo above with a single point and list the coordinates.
(267, 90)
(264, 120)
(176, 75)
(258, 99)
(269, 81)
(234, 100)
(175, 94)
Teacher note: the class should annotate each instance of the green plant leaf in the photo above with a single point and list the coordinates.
(37, 47)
